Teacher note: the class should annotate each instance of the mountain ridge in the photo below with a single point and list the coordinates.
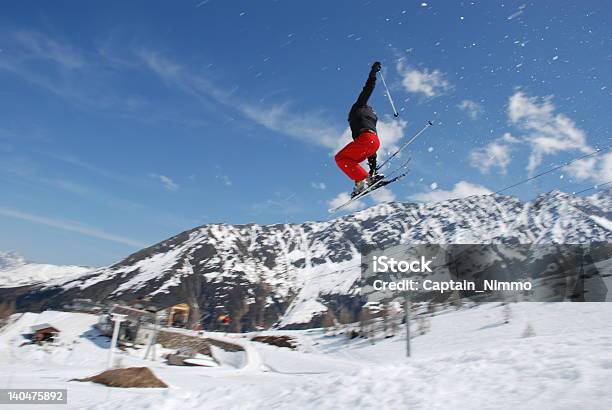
(290, 274)
(16, 271)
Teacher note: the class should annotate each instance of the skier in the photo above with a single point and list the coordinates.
(362, 120)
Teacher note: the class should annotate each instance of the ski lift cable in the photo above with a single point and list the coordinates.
(598, 186)
(596, 152)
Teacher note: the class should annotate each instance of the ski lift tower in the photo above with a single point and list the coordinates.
(117, 318)
(407, 304)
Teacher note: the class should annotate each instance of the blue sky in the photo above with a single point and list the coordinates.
(123, 123)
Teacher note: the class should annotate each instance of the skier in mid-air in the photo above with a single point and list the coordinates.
(362, 120)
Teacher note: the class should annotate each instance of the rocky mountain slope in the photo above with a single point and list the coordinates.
(289, 274)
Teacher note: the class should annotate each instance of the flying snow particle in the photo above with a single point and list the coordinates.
(515, 15)
(430, 149)
(423, 4)
(561, 176)
(462, 18)
(555, 58)
(433, 186)
(243, 13)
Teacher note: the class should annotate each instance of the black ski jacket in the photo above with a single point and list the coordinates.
(362, 116)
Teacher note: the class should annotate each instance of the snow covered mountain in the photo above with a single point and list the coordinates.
(15, 271)
(289, 274)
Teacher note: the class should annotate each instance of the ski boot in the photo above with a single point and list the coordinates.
(360, 186)
(374, 179)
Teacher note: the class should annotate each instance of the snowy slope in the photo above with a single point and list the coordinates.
(289, 273)
(15, 271)
(469, 359)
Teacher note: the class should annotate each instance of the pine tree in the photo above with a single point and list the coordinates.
(423, 324)
(329, 320)
(364, 321)
(345, 316)
(507, 312)
(395, 317)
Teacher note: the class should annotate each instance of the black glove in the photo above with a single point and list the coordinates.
(376, 67)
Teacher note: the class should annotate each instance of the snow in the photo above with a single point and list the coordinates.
(304, 314)
(469, 359)
(606, 223)
(15, 271)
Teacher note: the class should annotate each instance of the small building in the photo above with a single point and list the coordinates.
(178, 315)
(43, 332)
(137, 327)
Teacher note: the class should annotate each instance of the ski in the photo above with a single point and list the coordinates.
(378, 184)
(367, 192)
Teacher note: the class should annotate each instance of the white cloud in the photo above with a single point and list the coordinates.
(75, 74)
(167, 182)
(383, 194)
(495, 154)
(390, 134)
(462, 189)
(547, 133)
(294, 123)
(318, 185)
(26, 50)
(35, 45)
(74, 161)
(343, 197)
(281, 118)
(597, 169)
(471, 108)
(429, 83)
(71, 226)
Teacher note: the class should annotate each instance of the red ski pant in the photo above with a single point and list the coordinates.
(349, 157)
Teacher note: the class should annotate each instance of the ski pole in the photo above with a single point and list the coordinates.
(429, 124)
(395, 113)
